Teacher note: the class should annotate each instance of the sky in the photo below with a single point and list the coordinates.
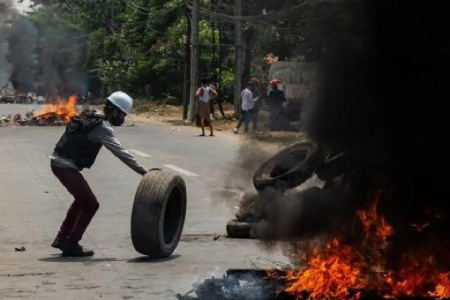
(22, 6)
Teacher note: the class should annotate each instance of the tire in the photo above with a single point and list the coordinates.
(158, 214)
(240, 230)
(17, 118)
(288, 168)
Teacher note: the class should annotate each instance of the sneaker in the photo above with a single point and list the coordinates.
(58, 243)
(75, 250)
(236, 130)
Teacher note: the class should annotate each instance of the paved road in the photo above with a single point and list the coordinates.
(33, 204)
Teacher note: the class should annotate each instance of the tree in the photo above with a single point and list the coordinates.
(139, 45)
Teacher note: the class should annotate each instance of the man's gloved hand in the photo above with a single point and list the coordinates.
(155, 169)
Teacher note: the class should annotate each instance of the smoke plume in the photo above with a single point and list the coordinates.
(380, 97)
(17, 48)
(60, 59)
(44, 56)
(238, 185)
(22, 49)
(6, 16)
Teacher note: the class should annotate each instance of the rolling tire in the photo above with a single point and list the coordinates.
(288, 168)
(158, 215)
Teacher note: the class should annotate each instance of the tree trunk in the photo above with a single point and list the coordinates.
(187, 65)
(249, 40)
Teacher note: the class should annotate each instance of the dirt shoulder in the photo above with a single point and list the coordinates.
(171, 115)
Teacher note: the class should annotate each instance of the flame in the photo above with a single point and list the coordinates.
(418, 277)
(331, 273)
(373, 223)
(344, 271)
(63, 109)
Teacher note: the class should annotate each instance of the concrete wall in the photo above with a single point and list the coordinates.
(297, 78)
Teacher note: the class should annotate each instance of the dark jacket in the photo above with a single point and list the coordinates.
(74, 144)
(276, 98)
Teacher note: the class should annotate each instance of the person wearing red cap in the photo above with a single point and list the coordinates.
(275, 102)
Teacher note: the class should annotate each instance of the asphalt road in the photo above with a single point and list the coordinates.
(33, 204)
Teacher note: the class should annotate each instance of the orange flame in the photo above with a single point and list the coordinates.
(418, 277)
(65, 110)
(331, 273)
(375, 227)
(340, 271)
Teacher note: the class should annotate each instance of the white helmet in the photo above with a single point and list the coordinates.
(122, 100)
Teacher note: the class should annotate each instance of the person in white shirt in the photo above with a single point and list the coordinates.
(204, 95)
(247, 108)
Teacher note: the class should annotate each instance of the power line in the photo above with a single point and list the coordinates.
(153, 11)
(261, 17)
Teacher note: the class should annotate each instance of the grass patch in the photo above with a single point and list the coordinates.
(141, 106)
(172, 115)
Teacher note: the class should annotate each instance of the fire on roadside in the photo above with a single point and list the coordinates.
(340, 270)
(62, 110)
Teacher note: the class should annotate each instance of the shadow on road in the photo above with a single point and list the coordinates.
(60, 259)
(146, 259)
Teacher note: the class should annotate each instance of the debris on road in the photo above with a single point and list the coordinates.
(48, 119)
(21, 249)
(56, 114)
(240, 284)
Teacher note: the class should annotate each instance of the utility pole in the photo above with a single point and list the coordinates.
(194, 60)
(237, 58)
(187, 62)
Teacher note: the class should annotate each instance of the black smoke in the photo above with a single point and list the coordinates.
(61, 70)
(44, 55)
(18, 38)
(7, 14)
(22, 42)
(382, 96)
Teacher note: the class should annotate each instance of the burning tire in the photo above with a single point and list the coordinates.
(158, 215)
(288, 168)
(240, 230)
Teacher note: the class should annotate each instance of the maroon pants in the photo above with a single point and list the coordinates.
(83, 207)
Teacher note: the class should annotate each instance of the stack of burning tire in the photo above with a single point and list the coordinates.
(285, 170)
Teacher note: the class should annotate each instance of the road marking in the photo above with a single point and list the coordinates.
(180, 170)
(140, 153)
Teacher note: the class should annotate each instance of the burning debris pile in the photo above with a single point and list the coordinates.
(56, 114)
(240, 284)
(379, 227)
(247, 284)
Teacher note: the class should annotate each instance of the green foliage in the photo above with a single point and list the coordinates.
(139, 45)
